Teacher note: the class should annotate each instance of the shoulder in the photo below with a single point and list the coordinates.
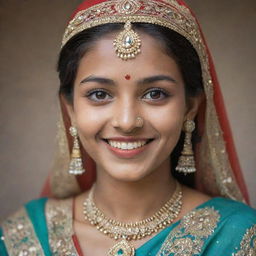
(235, 231)
(34, 226)
(233, 211)
(27, 215)
(234, 217)
(217, 227)
(20, 231)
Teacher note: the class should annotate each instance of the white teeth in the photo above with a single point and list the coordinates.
(126, 145)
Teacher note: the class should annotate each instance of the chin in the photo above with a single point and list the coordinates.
(128, 175)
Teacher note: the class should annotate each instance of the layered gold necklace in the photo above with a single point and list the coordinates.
(126, 232)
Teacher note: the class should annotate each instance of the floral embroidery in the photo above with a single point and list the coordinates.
(248, 244)
(201, 222)
(185, 247)
(19, 236)
(187, 239)
(60, 228)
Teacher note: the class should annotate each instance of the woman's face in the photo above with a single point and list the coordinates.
(109, 95)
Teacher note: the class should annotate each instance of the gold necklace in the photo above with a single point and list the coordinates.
(132, 231)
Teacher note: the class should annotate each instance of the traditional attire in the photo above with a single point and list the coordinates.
(220, 226)
(217, 227)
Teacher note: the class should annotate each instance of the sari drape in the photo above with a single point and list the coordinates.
(217, 227)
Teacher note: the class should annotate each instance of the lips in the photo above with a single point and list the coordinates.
(127, 147)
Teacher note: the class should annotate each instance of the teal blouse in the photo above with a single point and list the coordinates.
(217, 227)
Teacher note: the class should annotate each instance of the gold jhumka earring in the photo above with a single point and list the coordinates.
(186, 163)
(76, 164)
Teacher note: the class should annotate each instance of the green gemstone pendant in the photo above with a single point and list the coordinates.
(122, 248)
(120, 252)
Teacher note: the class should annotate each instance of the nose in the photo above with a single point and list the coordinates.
(126, 117)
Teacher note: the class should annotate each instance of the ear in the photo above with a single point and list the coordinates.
(193, 104)
(70, 109)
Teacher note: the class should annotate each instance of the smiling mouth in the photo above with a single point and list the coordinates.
(124, 145)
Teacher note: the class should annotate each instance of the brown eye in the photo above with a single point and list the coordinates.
(99, 95)
(156, 94)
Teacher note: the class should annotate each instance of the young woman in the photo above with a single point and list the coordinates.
(139, 96)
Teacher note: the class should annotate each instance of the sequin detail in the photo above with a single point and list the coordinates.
(248, 244)
(19, 235)
(60, 228)
(187, 239)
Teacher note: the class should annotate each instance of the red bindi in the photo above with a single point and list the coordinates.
(127, 77)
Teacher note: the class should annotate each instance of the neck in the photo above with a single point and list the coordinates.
(134, 201)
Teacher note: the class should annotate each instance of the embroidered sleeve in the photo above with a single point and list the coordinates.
(19, 235)
(187, 239)
(248, 243)
(60, 227)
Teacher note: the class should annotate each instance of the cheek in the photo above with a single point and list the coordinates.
(89, 119)
(168, 119)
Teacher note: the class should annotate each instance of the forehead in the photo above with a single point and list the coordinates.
(102, 59)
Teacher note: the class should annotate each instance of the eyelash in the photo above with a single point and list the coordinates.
(92, 94)
(164, 93)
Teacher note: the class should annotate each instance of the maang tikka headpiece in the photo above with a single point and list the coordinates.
(127, 44)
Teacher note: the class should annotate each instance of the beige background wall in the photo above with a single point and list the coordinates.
(30, 35)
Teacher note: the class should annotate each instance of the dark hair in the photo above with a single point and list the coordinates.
(175, 45)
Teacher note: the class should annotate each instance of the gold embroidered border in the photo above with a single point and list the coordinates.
(248, 243)
(168, 14)
(19, 235)
(189, 236)
(60, 227)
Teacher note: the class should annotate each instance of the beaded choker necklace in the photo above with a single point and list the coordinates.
(126, 232)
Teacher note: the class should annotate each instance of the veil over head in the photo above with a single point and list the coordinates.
(218, 171)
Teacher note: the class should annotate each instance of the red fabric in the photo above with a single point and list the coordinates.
(46, 191)
(85, 5)
(85, 181)
(227, 134)
(225, 126)
(77, 245)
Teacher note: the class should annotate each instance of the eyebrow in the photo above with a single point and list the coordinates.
(147, 80)
(153, 79)
(100, 80)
